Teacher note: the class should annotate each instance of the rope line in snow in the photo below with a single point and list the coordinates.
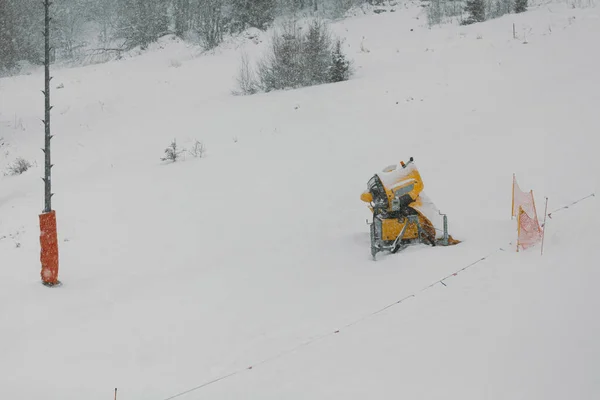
(205, 384)
(325, 335)
(569, 205)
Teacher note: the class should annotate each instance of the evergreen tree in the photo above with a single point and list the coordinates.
(297, 60)
(520, 6)
(476, 10)
(316, 54)
(340, 66)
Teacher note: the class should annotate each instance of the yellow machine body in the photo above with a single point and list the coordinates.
(393, 227)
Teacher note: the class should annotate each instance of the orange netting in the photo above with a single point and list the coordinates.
(49, 251)
(530, 231)
(522, 199)
(523, 207)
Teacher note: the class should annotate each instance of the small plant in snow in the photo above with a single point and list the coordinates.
(19, 166)
(198, 150)
(363, 48)
(172, 153)
(18, 123)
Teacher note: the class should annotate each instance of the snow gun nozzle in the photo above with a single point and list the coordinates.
(409, 161)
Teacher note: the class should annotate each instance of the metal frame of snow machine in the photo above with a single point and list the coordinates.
(397, 219)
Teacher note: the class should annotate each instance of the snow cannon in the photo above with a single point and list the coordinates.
(402, 213)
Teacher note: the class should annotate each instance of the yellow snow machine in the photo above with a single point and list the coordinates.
(402, 213)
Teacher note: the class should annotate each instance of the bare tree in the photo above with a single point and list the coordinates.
(69, 21)
(142, 22)
(209, 22)
(181, 15)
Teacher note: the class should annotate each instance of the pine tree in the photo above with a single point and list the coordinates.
(476, 10)
(316, 54)
(520, 6)
(340, 66)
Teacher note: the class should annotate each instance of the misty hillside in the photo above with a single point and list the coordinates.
(243, 268)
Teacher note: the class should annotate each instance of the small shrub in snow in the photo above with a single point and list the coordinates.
(363, 48)
(198, 149)
(19, 166)
(173, 152)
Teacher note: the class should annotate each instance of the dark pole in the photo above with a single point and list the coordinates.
(48, 233)
(48, 107)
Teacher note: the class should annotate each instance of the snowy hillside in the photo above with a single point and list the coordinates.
(257, 255)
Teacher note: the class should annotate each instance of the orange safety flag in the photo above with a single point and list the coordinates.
(49, 251)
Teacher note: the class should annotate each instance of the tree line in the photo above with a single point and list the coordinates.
(79, 26)
(472, 11)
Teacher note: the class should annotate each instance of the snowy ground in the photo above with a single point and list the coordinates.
(176, 275)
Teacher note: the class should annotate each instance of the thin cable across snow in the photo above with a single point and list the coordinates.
(569, 205)
(331, 333)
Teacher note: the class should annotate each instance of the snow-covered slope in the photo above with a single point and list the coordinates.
(176, 275)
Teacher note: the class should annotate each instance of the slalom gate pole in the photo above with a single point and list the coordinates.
(512, 206)
(544, 224)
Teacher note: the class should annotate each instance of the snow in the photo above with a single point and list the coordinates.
(390, 178)
(175, 275)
